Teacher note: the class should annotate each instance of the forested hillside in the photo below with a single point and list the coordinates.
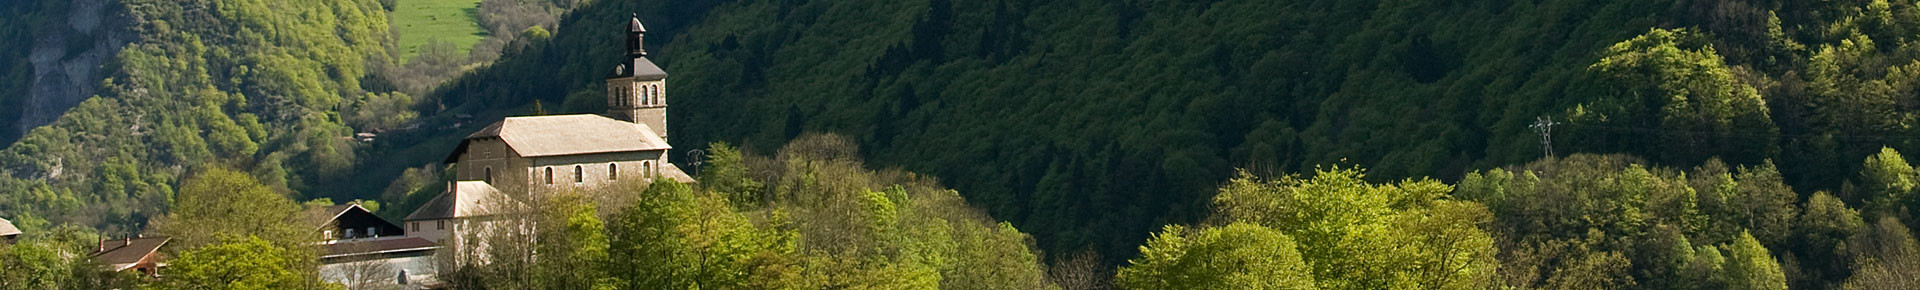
(260, 86)
(1758, 141)
(1581, 222)
(1092, 123)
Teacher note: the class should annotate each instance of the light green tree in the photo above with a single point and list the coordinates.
(677, 238)
(1361, 235)
(218, 203)
(572, 243)
(1675, 80)
(1750, 266)
(244, 263)
(1886, 183)
(1237, 256)
(33, 265)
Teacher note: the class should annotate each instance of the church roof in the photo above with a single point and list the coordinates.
(567, 135)
(463, 199)
(640, 69)
(673, 172)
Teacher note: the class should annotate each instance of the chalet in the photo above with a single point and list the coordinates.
(361, 249)
(351, 221)
(136, 253)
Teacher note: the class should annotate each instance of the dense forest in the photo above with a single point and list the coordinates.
(1141, 144)
(1094, 123)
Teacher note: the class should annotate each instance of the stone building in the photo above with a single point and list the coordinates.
(465, 204)
(518, 157)
(547, 153)
(637, 89)
(536, 154)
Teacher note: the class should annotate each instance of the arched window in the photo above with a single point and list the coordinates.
(549, 175)
(656, 94)
(578, 176)
(643, 98)
(613, 171)
(646, 168)
(489, 177)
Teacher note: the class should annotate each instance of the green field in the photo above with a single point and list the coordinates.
(446, 20)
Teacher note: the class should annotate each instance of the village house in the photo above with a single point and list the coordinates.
(361, 249)
(466, 208)
(135, 253)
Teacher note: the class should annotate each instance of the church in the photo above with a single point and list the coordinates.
(519, 156)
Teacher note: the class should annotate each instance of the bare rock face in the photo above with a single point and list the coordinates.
(66, 60)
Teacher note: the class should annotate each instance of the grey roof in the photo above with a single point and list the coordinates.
(7, 229)
(673, 172)
(640, 69)
(567, 135)
(463, 199)
(376, 246)
(634, 25)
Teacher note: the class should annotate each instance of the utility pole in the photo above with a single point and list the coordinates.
(1544, 126)
(699, 157)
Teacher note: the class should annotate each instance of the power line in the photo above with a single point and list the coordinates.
(1544, 125)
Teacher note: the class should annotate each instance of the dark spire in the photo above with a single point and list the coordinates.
(636, 35)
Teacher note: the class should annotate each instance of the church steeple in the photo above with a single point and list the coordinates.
(636, 91)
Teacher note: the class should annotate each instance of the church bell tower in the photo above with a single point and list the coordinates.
(636, 91)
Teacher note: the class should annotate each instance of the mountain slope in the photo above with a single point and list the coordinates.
(1092, 123)
(253, 85)
(56, 51)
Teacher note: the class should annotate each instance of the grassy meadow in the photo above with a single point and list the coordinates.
(420, 21)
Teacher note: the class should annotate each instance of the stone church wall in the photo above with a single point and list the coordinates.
(595, 169)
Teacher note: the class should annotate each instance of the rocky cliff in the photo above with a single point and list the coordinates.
(65, 59)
